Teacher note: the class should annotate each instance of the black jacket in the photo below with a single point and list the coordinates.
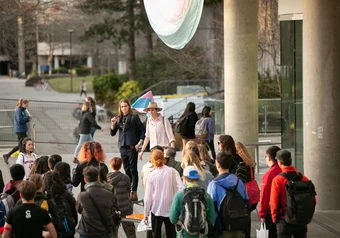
(78, 177)
(131, 133)
(190, 132)
(86, 122)
(91, 223)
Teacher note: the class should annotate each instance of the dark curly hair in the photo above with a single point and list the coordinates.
(228, 144)
(54, 185)
(22, 144)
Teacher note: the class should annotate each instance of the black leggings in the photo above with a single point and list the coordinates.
(20, 136)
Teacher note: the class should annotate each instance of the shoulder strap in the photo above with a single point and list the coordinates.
(291, 176)
(100, 215)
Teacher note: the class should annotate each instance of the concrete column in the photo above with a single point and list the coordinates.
(240, 70)
(321, 99)
(89, 61)
(56, 62)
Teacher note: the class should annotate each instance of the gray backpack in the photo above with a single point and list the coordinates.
(201, 128)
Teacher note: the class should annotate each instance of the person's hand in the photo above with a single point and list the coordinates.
(30, 117)
(140, 156)
(146, 220)
(102, 129)
(114, 120)
(138, 145)
(263, 219)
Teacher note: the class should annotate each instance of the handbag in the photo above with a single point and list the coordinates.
(263, 232)
(252, 189)
(111, 235)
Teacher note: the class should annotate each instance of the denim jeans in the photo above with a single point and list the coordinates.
(129, 157)
(93, 130)
(82, 139)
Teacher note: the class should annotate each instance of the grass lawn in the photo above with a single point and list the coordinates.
(63, 84)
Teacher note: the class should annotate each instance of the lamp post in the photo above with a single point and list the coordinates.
(71, 76)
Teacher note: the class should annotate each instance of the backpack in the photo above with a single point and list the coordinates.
(242, 171)
(234, 213)
(253, 191)
(300, 205)
(7, 202)
(64, 214)
(194, 211)
(182, 125)
(201, 128)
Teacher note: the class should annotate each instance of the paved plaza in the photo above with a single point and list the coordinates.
(325, 224)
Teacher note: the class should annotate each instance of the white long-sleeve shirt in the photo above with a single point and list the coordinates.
(26, 161)
(161, 187)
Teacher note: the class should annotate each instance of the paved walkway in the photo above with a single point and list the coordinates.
(325, 224)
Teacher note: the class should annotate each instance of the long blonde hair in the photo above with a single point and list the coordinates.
(242, 151)
(20, 102)
(86, 107)
(192, 159)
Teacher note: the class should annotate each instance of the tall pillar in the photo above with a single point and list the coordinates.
(56, 62)
(321, 99)
(240, 70)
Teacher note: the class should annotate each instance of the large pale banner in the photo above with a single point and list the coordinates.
(174, 21)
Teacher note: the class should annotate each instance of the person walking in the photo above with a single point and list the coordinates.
(189, 118)
(83, 88)
(300, 209)
(21, 118)
(209, 140)
(266, 183)
(86, 122)
(96, 206)
(158, 130)
(158, 198)
(131, 136)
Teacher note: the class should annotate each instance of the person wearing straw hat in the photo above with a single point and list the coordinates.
(158, 130)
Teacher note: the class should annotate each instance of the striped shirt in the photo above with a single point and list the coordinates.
(159, 131)
(161, 187)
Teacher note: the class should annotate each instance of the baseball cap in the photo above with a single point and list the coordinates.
(191, 173)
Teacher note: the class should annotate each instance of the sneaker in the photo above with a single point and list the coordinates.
(5, 156)
(133, 196)
(75, 160)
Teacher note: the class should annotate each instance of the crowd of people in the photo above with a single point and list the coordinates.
(201, 195)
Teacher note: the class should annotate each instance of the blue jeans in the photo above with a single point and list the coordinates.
(93, 130)
(82, 139)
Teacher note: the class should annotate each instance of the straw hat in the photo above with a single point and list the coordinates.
(151, 106)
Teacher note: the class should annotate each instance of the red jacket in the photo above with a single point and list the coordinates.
(266, 187)
(278, 193)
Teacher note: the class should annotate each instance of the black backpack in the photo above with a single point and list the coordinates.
(67, 222)
(300, 204)
(194, 211)
(182, 125)
(234, 212)
(242, 171)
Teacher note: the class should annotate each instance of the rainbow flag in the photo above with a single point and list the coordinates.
(143, 102)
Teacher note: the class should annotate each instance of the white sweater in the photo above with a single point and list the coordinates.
(26, 161)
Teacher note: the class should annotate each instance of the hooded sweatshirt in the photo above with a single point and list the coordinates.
(121, 183)
(217, 189)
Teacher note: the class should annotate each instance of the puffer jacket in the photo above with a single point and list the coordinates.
(91, 223)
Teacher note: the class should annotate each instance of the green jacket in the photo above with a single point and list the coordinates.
(176, 208)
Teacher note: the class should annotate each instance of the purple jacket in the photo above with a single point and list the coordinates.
(211, 129)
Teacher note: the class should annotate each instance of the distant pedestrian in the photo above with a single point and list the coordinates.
(83, 88)
(86, 122)
(21, 118)
(189, 118)
(94, 112)
(206, 113)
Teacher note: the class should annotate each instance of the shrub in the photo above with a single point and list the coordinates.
(83, 71)
(106, 86)
(127, 90)
(60, 71)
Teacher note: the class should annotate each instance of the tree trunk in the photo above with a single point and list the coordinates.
(21, 47)
(131, 41)
(147, 28)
